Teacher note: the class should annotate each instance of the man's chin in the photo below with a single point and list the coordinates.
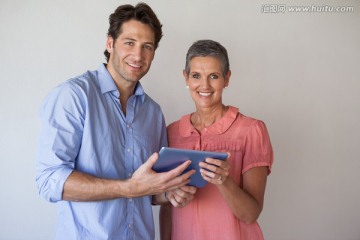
(134, 79)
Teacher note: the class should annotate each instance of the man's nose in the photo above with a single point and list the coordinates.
(138, 52)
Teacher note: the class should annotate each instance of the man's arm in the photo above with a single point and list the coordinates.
(83, 187)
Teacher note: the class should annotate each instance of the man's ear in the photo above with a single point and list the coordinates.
(109, 44)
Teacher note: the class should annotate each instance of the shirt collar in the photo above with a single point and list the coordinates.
(107, 84)
(219, 127)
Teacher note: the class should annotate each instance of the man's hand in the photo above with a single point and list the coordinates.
(182, 196)
(146, 181)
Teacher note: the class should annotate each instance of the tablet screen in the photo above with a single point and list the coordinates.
(170, 158)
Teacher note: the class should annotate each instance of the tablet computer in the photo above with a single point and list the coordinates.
(170, 158)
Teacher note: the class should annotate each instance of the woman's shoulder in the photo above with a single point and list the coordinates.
(172, 126)
(248, 120)
(184, 120)
(246, 124)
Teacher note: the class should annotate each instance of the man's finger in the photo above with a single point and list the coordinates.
(152, 159)
(179, 169)
(189, 189)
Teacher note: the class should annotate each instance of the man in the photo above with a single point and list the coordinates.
(98, 131)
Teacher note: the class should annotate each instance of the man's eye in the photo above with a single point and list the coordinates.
(148, 47)
(129, 43)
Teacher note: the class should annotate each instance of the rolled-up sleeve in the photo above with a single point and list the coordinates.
(62, 118)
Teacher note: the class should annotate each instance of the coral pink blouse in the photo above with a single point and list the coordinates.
(207, 216)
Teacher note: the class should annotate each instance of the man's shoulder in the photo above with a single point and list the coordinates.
(81, 84)
(86, 80)
(151, 102)
(79, 87)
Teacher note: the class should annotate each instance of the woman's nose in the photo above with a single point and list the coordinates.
(204, 82)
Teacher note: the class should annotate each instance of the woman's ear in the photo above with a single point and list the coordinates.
(186, 77)
(227, 78)
(185, 74)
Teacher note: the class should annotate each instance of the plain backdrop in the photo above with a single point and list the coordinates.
(297, 71)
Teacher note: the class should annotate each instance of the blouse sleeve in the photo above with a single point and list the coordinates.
(258, 150)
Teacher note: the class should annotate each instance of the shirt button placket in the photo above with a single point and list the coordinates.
(129, 169)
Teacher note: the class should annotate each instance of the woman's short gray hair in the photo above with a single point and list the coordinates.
(208, 48)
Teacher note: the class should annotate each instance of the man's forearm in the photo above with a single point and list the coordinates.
(84, 187)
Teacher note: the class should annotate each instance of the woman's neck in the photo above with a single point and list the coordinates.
(204, 118)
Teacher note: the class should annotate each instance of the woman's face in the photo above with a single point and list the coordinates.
(206, 82)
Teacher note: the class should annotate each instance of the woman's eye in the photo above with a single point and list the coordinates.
(213, 76)
(197, 76)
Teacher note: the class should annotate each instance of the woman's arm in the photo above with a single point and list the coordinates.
(178, 198)
(246, 203)
(165, 217)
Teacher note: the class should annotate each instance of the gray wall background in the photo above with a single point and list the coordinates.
(299, 72)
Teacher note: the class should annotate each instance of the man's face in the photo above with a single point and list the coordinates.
(132, 52)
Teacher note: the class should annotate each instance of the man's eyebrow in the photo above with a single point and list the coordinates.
(132, 39)
(150, 43)
(128, 39)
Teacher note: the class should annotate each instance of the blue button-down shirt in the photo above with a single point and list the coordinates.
(84, 129)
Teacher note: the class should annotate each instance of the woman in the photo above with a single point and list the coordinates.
(227, 207)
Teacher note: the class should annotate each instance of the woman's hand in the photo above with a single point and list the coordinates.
(215, 171)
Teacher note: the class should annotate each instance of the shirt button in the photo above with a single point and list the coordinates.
(129, 149)
(129, 174)
(130, 225)
(130, 199)
(128, 126)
